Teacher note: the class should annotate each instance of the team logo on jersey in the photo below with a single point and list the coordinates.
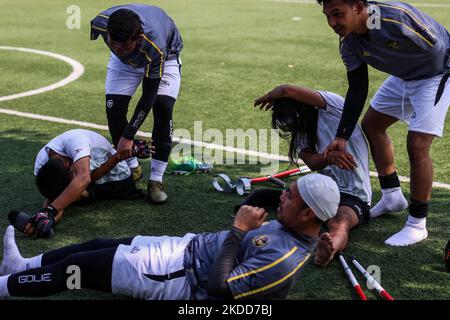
(366, 53)
(135, 250)
(164, 83)
(261, 241)
(109, 104)
(393, 44)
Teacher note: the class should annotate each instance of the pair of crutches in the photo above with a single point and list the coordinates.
(370, 280)
(243, 185)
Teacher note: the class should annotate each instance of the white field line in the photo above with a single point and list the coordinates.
(78, 71)
(419, 4)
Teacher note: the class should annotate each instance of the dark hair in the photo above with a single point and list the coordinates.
(52, 179)
(124, 25)
(346, 1)
(297, 121)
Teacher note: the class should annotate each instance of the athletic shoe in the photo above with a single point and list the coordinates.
(187, 165)
(156, 193)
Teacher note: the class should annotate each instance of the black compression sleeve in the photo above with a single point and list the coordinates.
(143, 107)
(358, 81)
(224, 264)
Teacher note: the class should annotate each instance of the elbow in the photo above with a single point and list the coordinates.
(84, 180)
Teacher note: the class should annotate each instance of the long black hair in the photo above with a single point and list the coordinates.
(296, 121)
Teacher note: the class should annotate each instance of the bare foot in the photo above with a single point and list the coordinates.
(325, 250)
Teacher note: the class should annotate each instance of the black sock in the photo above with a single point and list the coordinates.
(390, 181)
(418, 209)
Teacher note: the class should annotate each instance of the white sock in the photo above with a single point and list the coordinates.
(4, 287)
(157, 170)
(392, 200)
(414, 231)
(13, 262)
(132, 163)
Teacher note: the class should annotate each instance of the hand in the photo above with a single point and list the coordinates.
(41, 223)
(249, 218)
(338, 144)
(266, 101)
(143, 149)
(125, 148)
(342, 159)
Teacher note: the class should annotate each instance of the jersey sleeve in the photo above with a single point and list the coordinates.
(335, 103)
(266, 274)
(155, 55)
(349, 56)
(98, 26)
(78, 148)
(413, 27)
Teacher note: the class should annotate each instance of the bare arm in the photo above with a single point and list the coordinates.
(105, 168)
(80, 181)
(300, 94)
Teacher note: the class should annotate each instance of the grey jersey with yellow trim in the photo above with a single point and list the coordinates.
(408, 43)
(270, 259)
(162, 40)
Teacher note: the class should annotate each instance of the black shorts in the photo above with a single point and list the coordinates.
(361, 208)
(114, 190)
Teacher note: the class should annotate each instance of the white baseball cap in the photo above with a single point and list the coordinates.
(321, 194)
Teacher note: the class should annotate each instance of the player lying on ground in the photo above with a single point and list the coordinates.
(310, 119)
(76, 165)
(252, 260)
(414, 49)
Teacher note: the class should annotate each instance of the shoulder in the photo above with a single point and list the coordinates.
(333, 100)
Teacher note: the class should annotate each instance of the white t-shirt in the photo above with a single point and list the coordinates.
(79, 143)
(356, 182)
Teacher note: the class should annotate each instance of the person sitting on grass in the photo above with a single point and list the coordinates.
(251, 260)
(78, 165)
(310, 119)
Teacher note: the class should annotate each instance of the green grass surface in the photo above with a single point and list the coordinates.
(235, 50)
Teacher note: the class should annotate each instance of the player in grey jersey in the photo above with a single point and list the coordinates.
(310, 119)
(252, 260)
(414, 49)
(145, 47)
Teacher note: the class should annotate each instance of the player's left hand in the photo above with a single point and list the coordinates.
(125, 148)
(249, 218)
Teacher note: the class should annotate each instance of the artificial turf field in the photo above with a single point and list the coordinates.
(234, 51)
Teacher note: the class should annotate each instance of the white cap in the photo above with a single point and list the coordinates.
(321, 194)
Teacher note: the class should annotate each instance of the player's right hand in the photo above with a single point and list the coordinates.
(40, 224)
(266, 101)
(342, 159)
(338, 144)
(249, 218)
(125, 148)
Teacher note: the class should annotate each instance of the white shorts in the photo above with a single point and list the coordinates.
(124, 79)
(414, 103)
(151, 256)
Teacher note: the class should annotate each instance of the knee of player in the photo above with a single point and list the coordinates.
(418, 149)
